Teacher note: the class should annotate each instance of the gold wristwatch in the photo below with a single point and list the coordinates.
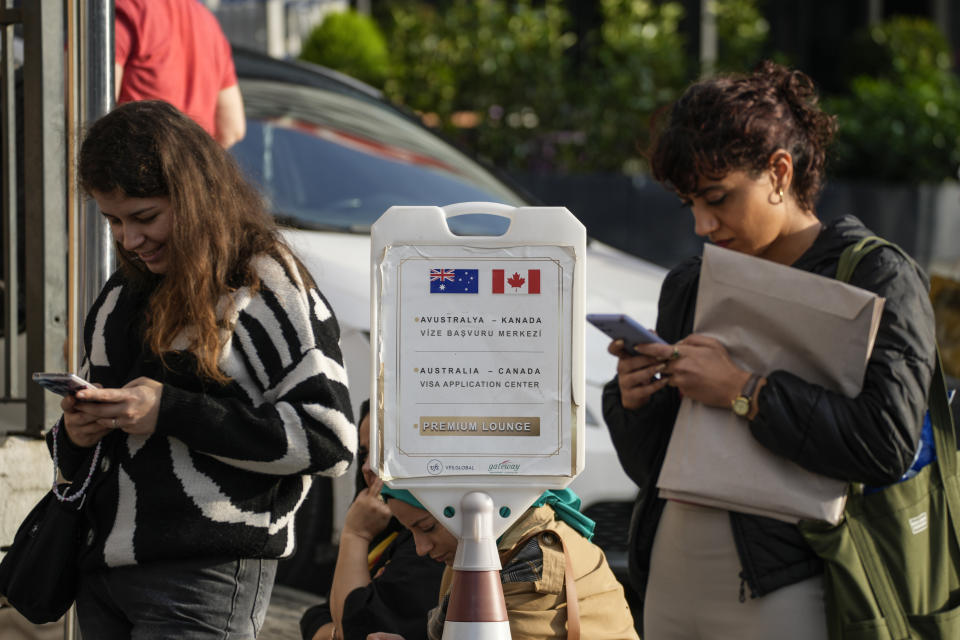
(741, 404)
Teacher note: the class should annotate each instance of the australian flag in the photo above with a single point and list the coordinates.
(454, 281)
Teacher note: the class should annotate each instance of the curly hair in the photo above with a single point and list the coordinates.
(736, 122)
(150, 149)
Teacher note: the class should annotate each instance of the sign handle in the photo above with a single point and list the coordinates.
(492, 208)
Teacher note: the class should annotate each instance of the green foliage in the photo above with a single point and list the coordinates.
(741, 34)
(537, 106)
(638, 66)
(899, 47)
(510, 80)
(502, 64)
(352, 43)
(901, 118)
(906, 130)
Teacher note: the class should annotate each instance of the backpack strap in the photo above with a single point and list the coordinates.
(854, 253)
(945, 442)
(941, 418)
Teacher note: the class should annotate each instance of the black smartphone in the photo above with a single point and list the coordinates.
(622, 327)
(64, 384)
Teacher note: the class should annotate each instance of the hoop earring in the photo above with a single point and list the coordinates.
(780, 193)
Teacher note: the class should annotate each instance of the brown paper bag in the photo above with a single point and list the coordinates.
(769, 317)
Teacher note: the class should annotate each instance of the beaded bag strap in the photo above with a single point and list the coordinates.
(66, 495)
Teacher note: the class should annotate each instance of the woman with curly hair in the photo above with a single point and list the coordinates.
(223, 389)
(747, 153)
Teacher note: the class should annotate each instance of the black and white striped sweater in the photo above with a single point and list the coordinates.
(228, 465)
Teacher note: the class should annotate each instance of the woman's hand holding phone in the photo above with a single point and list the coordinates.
(82, 428)
(132, 408)
(620, 326)
(705, 372)
(91, 413)
(641, 356)
(698, 366)
(639, 375)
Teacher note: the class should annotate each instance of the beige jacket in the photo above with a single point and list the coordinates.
(538, 610)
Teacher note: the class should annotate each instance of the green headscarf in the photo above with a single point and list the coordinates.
(402, 495)
(564, 502)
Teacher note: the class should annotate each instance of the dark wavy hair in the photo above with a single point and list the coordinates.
(736, 122)
(149, 149)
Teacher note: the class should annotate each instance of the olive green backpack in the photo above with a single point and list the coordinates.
(892, 564)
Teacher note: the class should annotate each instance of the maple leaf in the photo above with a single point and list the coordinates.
(516, 281)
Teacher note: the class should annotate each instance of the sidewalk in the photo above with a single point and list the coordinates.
(282, 623)
(283, 616)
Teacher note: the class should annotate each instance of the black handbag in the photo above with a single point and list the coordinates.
(40, 571)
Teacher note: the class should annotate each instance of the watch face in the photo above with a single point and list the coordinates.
(741, 406)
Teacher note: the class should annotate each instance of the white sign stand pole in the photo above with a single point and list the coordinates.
(477, 402)
(476, 610)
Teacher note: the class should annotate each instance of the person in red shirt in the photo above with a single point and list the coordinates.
(174, 50)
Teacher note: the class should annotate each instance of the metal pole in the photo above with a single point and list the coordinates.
(91, 249)
(72, 105)
(276, 28)
(90, 252)
(943, 14)
(708, 38)
(90, 91)
(12, 376)
(94, 245)
(44, 195)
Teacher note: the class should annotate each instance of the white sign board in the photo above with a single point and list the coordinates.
(478, 341)
(479, 380)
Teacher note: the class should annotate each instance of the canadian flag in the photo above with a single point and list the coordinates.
(517, 282)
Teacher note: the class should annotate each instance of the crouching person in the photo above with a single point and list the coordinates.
(379, 582)
(536, 576)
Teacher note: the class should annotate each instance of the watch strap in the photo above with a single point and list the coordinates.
(750, 386)
(742, 403)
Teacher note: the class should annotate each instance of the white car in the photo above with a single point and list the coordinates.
(332, 155)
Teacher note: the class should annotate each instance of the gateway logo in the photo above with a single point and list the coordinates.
(504, 467)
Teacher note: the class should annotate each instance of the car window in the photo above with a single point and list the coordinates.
(327, 160)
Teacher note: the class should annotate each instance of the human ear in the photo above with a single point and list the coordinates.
(781, 170)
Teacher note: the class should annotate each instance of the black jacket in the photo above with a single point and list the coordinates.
(871, 438)
(404, 588)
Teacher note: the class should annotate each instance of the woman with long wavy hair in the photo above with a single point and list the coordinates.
(223, 388)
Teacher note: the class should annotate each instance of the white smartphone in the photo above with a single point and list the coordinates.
(64, 384)
(622, 327)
